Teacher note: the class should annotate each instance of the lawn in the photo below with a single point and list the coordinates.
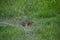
(44, 14)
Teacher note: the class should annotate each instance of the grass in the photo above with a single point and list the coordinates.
(45, 15)
(9, 32)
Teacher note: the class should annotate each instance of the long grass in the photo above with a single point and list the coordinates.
(45, 15)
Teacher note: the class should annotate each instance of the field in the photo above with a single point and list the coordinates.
(45, 15)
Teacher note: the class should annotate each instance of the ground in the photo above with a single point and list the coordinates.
(45, 15)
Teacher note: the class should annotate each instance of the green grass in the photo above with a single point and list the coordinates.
(9, 32)
(45, 15)
(43, 8)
